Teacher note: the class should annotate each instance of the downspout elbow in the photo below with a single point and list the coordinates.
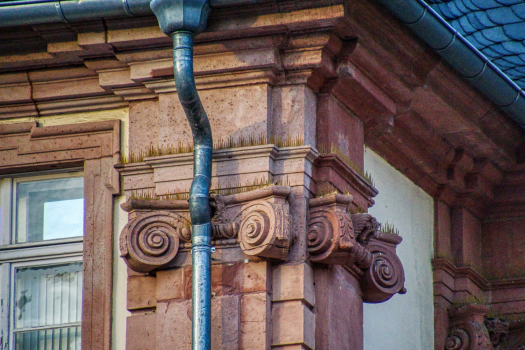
(182, 19)
(200, 126)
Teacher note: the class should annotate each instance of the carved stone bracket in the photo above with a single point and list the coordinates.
(151, 240)
(335, 236)
(468, 330)
(256, 221)
(498, 332)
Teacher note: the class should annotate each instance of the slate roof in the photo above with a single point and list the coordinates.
(494, 27)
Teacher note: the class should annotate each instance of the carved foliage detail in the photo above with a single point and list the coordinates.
(152, 240)
(498, 332)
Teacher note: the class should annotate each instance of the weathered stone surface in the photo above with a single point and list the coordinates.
(338, 127)
(174, 325)
(339, 310)
(142, 292)
(256, 277)
(255, 321)
(294, 113)
(293, 323)
(293, 282)
(225, 322)
(170, 284)
(141, 331)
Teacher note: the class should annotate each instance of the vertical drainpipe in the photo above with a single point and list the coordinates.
(182, 19)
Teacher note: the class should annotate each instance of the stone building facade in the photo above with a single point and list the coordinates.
(352, 165)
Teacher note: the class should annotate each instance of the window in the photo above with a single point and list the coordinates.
(41, 270)
(95, 148)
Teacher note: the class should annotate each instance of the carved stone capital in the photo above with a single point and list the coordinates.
(337, 237)
(262, 218)
(331, 235)
(468, 330)
(257, 221)
(152, 240)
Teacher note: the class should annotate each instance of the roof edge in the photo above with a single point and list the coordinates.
(461, 55)
(30, 12)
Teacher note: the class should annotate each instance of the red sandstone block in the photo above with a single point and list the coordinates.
(140, 331)
(293, 282)
(225, 322)
(173, 326)
(226, 278)
(170, 284)
(255, 322)
(293, 323)
(256, 277)
(142, 292)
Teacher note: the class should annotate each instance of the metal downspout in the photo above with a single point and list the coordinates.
(182, 19)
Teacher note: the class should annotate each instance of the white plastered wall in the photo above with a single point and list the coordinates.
(405, 322)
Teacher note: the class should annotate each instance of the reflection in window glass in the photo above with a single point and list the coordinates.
(48, 307)
(50, 209)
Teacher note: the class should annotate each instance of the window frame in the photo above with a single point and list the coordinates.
(40, 253)
(95, 147)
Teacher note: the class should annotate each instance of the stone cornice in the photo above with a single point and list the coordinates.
(253, 163)
(461, 272)
(103, 79)
(417, 112)
(330, 168)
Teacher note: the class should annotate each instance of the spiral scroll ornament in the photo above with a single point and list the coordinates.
(330, 237)
(151, 241)
(320, 236)
(255, 227)
(264, 229)
(385, 277)
(458, 339)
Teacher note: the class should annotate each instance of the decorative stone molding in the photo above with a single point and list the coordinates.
(257, 221)
(498, 332)
(468, 330)
(337, 237)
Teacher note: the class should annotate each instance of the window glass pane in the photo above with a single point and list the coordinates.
(67, 338)
(50, 209)
(47, 296)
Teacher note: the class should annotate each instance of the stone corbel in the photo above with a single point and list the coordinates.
(468, 330)
(257, 221)
(335, 236)
(498, 332)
